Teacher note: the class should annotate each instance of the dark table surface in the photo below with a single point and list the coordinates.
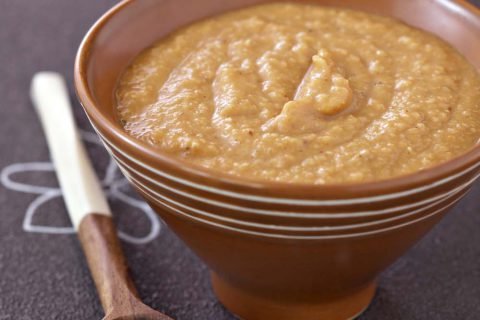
(43, 274)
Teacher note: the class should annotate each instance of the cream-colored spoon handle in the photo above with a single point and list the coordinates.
(82, 192)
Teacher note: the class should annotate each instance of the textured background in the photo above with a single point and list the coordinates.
(44, 276)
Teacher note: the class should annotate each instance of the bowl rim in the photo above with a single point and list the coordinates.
(313, 216)
(111, 129)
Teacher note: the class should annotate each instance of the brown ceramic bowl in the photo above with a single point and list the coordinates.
(276, 250)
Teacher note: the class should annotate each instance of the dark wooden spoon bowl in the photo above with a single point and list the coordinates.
(117, 293)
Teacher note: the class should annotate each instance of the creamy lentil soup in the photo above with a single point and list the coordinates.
(302, 93)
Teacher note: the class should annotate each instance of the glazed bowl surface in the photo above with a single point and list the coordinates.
(276, 250)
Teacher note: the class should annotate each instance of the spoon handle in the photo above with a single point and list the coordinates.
(84, 198)
(99, 240)
(82, 192)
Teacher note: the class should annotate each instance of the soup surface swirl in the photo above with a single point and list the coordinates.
(301, 93)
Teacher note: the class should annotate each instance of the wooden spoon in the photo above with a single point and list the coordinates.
(86, 203)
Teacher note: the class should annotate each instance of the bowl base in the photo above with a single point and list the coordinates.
(249, 307)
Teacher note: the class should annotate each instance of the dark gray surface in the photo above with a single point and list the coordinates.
(44, 276)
